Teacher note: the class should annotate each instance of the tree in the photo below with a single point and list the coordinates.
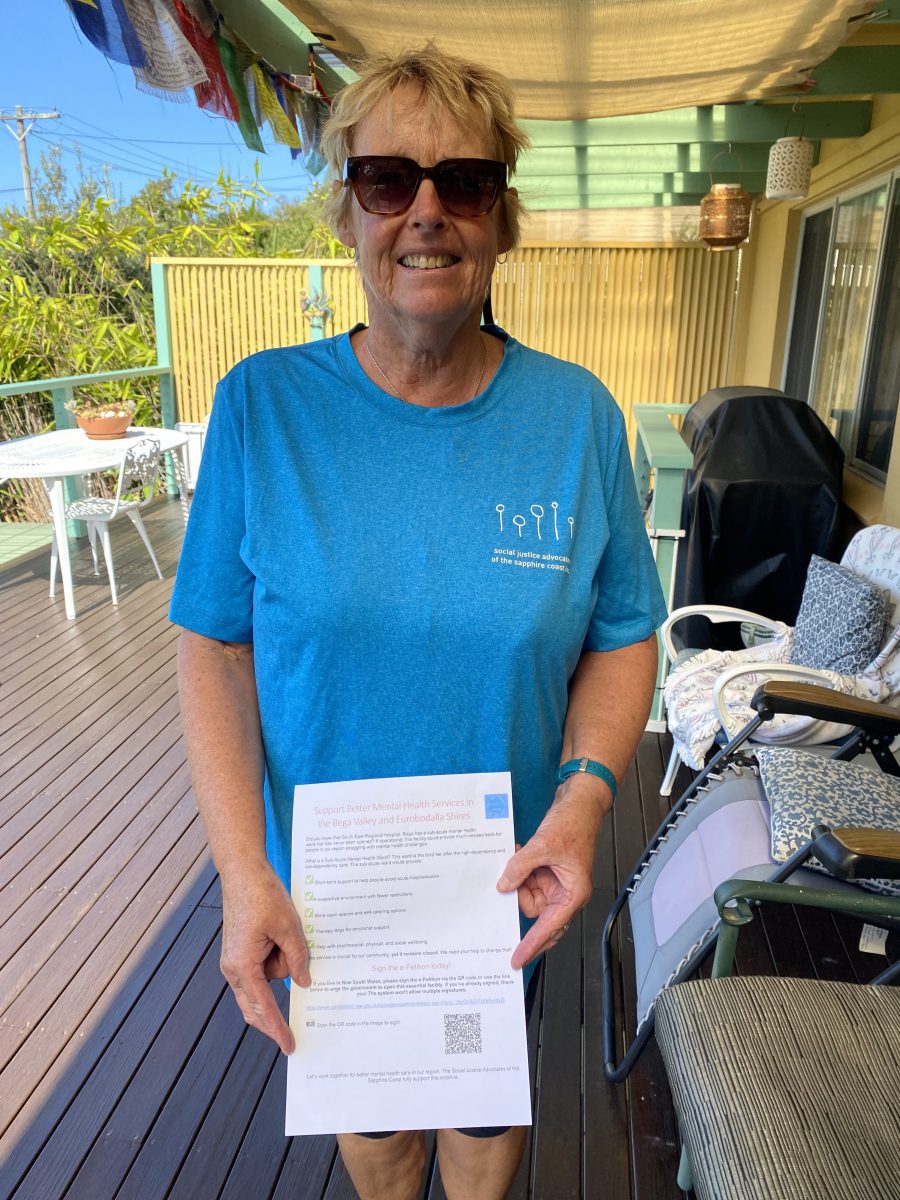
(75, 282)
(75, 294)
(297, 229)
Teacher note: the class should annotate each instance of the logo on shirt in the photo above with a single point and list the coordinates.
(540, 539)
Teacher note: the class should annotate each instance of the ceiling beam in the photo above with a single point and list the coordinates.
(859, 71)
(615, 200)
(273, 31)
(591, 186)
(601, 160)
(715, 123)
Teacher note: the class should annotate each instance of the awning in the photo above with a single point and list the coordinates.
(573, 59)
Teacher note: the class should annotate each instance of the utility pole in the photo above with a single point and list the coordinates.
(20, 134)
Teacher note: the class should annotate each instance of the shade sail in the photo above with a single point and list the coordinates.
(599, 58)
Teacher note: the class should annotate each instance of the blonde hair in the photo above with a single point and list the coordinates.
(449, 86)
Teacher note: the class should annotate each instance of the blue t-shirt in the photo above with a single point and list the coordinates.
(418, 583)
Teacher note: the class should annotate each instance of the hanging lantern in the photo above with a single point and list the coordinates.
(790, 166)
(725, 216)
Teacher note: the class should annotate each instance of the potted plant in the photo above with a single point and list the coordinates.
(102, 420)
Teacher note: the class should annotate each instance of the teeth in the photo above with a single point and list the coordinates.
(427, 262)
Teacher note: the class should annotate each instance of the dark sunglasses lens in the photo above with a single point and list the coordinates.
(469, 188)
(384, 185)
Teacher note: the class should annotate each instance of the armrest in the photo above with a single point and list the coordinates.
(852, 853)
(717, 614)
(733, 899)
(781, 696)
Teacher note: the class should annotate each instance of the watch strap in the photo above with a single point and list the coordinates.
(592, 767)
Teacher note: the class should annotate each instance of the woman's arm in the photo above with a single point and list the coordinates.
(262, 938)
(609, 700)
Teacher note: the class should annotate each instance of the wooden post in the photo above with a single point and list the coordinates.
(73, 488)
(168, 400)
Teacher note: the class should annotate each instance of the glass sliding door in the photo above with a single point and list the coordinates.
(881, 382)
(847, 302)
(808, 304)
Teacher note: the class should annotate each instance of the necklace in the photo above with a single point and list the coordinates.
(393, 391)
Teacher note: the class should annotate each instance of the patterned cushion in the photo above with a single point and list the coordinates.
(841, 623)
(785, 1089)
(804, 789)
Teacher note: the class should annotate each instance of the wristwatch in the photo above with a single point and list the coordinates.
(592, 767)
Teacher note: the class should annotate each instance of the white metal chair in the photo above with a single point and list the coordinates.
(727, 679)
(138, 471)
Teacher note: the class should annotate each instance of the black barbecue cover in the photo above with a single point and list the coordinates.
(762, 497)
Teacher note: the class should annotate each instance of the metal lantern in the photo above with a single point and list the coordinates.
(725, 216)
(790, 165)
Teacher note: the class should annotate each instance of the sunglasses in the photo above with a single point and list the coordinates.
(466, 187)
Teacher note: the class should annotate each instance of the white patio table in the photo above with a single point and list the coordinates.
(68, 453)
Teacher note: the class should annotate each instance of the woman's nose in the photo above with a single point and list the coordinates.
(426, 207)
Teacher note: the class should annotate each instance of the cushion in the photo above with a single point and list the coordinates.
(804, 789)
(785, 1089)
(841, 623)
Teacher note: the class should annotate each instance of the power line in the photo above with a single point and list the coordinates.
(157, 141)
(147, 173)
(141, 157)
(108, 135)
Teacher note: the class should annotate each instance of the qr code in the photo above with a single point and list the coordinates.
(462, 1033)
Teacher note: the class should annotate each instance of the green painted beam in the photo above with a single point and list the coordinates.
(639, 160)
(327, 60)
(538, 203)
(271, 29)
(858, 71)
(715, 123)
(598, 185)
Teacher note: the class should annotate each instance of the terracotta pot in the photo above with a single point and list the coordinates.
(103, 429)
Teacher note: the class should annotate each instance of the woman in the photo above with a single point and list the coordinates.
(414, 549)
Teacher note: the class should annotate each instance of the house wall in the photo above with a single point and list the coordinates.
(767, 281)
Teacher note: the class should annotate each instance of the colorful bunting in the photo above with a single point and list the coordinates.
(215, 95)
(107, 25)
(246, 122)
(271, 111)
(171, 64)
(173, 45)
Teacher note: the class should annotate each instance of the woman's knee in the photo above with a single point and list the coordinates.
(384, 1168)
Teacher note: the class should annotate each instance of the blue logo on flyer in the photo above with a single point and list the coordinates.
(496, 806)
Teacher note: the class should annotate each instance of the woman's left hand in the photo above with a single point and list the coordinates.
(553, 871)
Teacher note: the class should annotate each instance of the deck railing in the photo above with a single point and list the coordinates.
(62, 391)
(660, 461)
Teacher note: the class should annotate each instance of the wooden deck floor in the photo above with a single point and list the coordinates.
(125, 1069)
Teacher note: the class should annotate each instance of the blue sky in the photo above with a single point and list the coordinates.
(46, 64)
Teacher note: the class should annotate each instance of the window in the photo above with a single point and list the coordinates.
(843, 355)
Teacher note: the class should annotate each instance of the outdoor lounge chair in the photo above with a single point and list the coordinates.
(749, 818)
(786, 1089)
(134, 490)
(847, 637)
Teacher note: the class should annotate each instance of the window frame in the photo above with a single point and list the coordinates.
(891, 180)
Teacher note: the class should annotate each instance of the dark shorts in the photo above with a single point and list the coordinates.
(486, 1131)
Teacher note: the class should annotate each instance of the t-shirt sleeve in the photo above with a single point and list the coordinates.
(630, 603)
(213, 592)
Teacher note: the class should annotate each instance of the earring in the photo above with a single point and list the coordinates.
(501, 258)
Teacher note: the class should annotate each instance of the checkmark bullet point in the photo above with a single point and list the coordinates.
(308, 912)
(309, 896)
(309, 879)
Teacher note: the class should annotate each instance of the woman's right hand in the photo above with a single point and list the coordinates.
(262, 939)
